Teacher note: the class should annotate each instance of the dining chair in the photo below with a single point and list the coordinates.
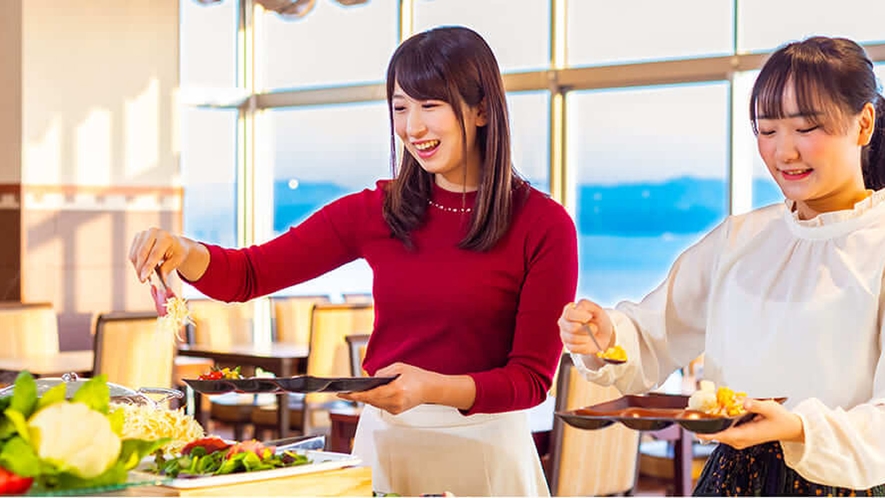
(131, 352)
(292, 317)
(357, 297)
(357, 344)
(329, 356)
(584, 462)
(28, 330)
(219, 324)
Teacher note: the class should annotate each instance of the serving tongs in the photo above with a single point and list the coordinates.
(160, 291)
(298, 443)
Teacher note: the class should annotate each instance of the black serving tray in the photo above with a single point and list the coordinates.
(651, 412)
(298, 384)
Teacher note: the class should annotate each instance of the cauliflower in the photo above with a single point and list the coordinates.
(75, 438)
(704, 399)
(722, 402)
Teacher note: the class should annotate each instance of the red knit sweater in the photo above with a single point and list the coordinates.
(491, 315)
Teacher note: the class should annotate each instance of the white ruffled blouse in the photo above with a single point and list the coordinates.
(779, 307)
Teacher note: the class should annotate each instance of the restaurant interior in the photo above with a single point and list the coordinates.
(231, 120)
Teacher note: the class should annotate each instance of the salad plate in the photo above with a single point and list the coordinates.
(320, 461)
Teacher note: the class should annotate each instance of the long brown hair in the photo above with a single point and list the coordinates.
(832, 77)
(454, 65)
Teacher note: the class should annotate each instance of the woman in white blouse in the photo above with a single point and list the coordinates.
(787, 300)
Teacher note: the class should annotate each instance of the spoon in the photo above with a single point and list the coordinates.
(611, 361)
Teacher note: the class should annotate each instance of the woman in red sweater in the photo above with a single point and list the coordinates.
(471, 268)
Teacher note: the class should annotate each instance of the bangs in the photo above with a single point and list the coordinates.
(421, 76)
(815, 90)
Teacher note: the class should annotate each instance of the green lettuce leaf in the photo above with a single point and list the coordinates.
(24, 394)
(19, 457)
(19, 423)
(54, 395)
(94, 393)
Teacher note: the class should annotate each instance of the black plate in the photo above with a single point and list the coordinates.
(651, 412)
(299, 384)
(356, 384)
(222, 386)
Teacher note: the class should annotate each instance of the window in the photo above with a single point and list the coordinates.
(648, 165)
(530, 136)
(527, 47)
(651, 166)
(332, 44)
(319, 154)
(614, 32)
(765, 25)
(208, 164)
(208, 45)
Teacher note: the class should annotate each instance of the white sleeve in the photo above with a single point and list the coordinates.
(665, 331)
(844, 448)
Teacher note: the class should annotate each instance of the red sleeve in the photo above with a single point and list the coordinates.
(326, 240)
(550, 283)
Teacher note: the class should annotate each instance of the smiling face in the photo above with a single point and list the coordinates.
(814, 156)
(431, 133)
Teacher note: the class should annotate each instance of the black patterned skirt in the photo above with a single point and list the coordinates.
(760, 471)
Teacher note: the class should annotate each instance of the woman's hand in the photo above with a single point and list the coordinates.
(772, 422)
(154, 247)
(575, 335)
(407, 391)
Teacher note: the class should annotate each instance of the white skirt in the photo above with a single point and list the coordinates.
(432, 449)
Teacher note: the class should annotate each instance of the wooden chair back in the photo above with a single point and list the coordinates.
(219, 324)
(329, 354)
(292, 316)
(590, 463)
(357, 344)
(28, 330)
(131, 351)
(357, 297)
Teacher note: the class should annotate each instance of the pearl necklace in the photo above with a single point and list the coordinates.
(448, 209)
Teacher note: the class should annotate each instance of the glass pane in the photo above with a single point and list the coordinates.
(516, 49)
(650, 166)
(530, 135)
(208, 165)
(318, 155)
(764, 190)
(608, 32)
(332, 44)
(765, 25)
(208, 44)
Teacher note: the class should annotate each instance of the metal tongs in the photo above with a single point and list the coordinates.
(298, 443)
(160, 291)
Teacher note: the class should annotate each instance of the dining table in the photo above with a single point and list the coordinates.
(51, 365)
(283, 359)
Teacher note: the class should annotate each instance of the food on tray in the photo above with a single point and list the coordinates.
(215, 456)
(222, 373)
(153, 423)
(613, 353)
(721, 402)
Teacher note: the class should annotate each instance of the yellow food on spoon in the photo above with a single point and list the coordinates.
(613, 353)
